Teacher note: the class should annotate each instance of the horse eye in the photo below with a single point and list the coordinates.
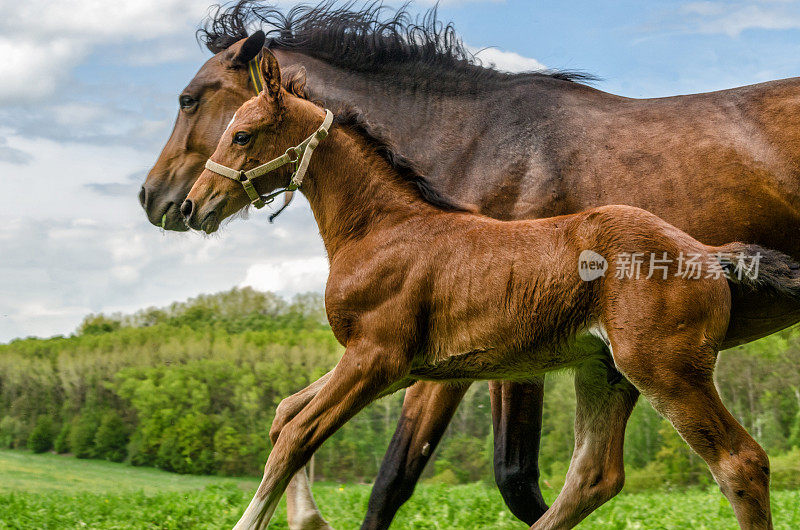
(241, 138)
(186, 102)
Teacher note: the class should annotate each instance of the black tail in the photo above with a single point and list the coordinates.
(757, 269)
(764, 299)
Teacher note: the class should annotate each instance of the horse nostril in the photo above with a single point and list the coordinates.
(186, 208)
(143, 197)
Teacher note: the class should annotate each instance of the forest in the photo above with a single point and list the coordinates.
(192, 388)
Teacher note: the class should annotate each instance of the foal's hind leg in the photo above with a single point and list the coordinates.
(678, 382)
(596, 471)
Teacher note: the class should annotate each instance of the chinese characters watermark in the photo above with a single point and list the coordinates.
(660, 265)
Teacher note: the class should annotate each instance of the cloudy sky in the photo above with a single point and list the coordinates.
(89, 94)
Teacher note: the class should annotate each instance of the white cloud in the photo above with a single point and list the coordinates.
(53, 182)
(288, 277)
(704, 8)
(457, 2)
(125, 248)
(32, 69)
(506, 61)
(36, 319)
(125, 273)
(168, 52)
(80, 114)
(12, 155)
(97, 20)
(43, 40)
(732, 18)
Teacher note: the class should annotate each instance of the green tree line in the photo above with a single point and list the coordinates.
(192, 388)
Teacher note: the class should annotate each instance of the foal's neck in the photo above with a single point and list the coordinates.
(352, 189)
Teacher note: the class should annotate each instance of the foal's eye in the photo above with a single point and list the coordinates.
(186, 102)
(241, 138)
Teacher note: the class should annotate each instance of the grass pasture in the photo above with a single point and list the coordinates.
(49, 492)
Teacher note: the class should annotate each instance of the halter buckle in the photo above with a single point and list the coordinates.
(297, 151)
(270, 197)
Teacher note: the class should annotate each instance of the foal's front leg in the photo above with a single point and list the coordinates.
(364, 373)
(302, 512)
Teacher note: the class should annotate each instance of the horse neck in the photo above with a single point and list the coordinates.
(351, 190)
(420, 122)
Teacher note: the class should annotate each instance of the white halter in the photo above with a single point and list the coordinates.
(299, 156)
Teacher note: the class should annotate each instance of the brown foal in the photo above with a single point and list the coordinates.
(420, 290)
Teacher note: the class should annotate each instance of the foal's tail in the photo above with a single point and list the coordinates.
(760, 270)
(765, 291)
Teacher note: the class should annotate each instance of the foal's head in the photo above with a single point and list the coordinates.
(261, 130)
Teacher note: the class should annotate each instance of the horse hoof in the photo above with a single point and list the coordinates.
(311, 522)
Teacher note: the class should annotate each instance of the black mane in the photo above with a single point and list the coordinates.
(373, 39)
(354, 120)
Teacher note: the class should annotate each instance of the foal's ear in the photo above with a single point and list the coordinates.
(272, 74)
(249, 48)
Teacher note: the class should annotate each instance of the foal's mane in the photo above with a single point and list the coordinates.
(355, 121)
(371, 39)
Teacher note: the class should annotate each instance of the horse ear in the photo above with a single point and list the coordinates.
(249, 48)
(294, 80)
(272, 74)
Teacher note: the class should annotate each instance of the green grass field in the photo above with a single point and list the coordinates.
(49, 491)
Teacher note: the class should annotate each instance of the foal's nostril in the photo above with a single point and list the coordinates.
(143, 197)
(186, 208)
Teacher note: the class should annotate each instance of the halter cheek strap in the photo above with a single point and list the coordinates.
(299, 157)
(256, 76)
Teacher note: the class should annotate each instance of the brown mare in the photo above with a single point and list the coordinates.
(419, 291)
(721, 166)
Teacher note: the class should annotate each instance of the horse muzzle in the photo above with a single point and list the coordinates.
(162, 211)
(205, 218)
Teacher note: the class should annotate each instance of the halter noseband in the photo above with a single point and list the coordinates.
(298, 156)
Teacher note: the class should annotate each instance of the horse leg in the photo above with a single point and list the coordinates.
(679, 383)
(302, 512)
(517, 424)
(361, 376)
(596, 472)
(289, 407)
(427, 410)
